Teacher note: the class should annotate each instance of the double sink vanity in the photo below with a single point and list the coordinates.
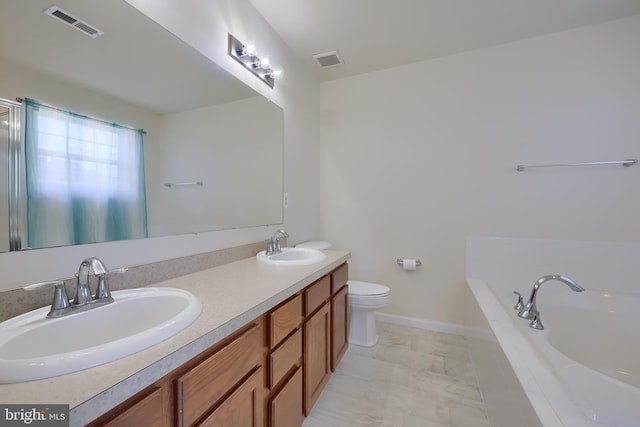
(251, 342)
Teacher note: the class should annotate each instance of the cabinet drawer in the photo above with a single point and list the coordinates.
(243, 408)
(339, 278)
(288, 355)
(316, 294)
(203, 386)
(284, 320)
(285, 408)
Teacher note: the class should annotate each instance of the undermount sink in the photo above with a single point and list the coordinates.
(292, 257)
(33, 347)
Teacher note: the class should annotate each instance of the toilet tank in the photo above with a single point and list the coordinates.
(314, 244)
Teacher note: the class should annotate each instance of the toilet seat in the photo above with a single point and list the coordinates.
(366, 289)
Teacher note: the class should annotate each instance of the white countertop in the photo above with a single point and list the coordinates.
(231, 295)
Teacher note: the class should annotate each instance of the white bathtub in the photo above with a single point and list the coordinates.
(583, 369)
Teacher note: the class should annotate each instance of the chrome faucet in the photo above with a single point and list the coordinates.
(530, 309)
(83, 299)
(273, 244)
(83, 293)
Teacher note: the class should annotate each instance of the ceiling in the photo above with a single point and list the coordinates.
(132, 59)
(377, 34)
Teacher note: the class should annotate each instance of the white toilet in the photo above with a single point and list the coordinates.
(364, 299)
(315, 244)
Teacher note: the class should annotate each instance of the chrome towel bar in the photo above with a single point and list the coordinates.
(627, 162)
(183, 184)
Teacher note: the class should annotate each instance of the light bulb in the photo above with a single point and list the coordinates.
(249, 49)
(264, 63)
(273, 73)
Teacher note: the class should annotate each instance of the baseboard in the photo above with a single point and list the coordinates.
(433, 325)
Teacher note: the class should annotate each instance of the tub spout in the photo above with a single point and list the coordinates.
(530, 309)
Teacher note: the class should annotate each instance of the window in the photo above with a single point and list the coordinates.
(85, 179)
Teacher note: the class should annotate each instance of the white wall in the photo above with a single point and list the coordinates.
(415, 158)
(236, 150)
(205, 25)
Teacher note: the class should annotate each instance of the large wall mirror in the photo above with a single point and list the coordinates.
(213, 147)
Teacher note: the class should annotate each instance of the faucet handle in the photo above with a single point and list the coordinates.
(520, 304)
(536, 323)
(103, 292)
(60, 299)
(271, 246)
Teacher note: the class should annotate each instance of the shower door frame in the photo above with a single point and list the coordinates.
(14, 171)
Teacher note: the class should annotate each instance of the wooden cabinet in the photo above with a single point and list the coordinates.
(316, 294)
(339, 314)
(284, 360)
(243, 408)
(339, 278)
(222, 386)
(317, 365)
(285, 407)
(284, 319)
(201, 388)
(339, 326)
(270, 372)
(146, 412)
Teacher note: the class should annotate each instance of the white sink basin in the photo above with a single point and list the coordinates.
(293, 257)
(33, 347)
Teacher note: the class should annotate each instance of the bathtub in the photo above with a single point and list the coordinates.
(583, 369)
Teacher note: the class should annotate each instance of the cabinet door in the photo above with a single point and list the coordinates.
(317, 365)
(285, 408)
(243, 408)
(339, 326)
(148, 412)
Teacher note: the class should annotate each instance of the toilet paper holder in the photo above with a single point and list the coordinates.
(400, 262)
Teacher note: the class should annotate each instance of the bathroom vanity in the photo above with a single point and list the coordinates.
(259, 354)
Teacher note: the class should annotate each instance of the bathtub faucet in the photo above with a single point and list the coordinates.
(530, 310)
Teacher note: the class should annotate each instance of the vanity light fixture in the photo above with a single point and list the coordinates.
(260, 66)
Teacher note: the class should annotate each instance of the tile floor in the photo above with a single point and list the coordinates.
(412, 378)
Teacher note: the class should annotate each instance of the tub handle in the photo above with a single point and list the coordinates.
(520, 304)
(536, 323)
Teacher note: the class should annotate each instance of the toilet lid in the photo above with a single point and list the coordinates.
(367, 289)
(314, 244)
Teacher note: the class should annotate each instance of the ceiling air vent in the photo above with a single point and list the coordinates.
(72, 21)
(328, 59)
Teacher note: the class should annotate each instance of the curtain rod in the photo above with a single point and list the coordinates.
(144, 132)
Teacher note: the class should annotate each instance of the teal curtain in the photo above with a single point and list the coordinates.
(85, 179)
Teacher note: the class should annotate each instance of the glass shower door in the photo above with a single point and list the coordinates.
(4, 179)
(9, 169)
